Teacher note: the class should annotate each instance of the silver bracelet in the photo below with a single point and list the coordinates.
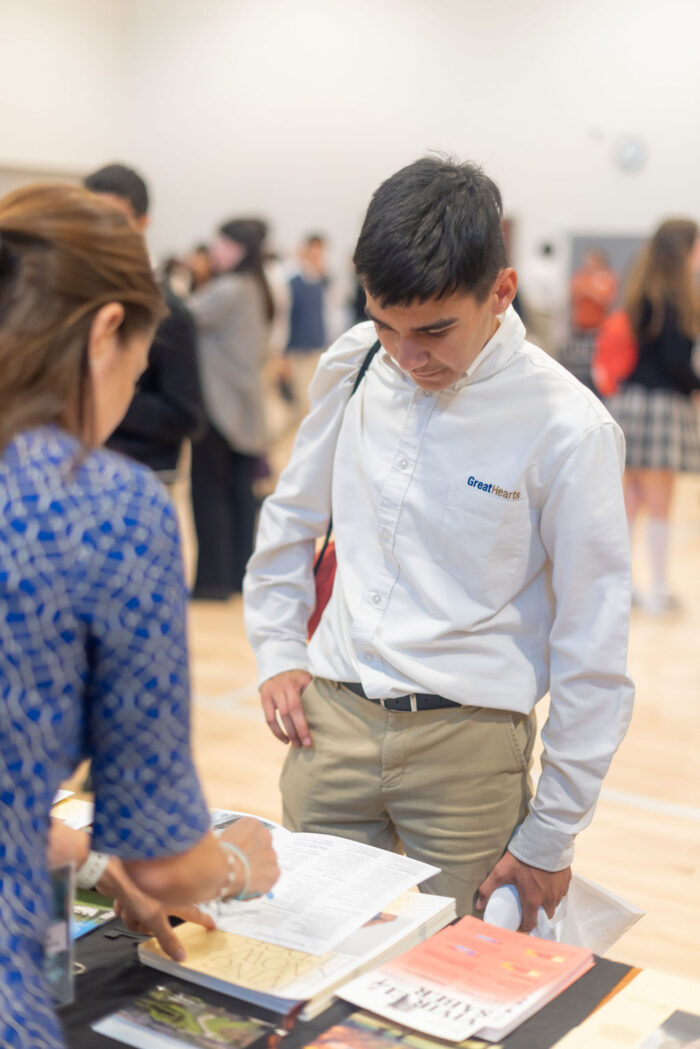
(233, 854)
(92, 870)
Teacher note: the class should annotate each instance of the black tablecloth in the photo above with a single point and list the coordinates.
(114, 976)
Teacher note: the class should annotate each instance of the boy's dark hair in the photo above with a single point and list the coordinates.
(432, 229)
(120, 181)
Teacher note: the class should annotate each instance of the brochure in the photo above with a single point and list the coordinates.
(470, 979)
(167, 1017)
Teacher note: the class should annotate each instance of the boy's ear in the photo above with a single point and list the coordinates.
(504, 289)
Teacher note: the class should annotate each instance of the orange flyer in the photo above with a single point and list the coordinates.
(467, 977)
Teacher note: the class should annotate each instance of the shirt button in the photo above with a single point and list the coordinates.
(376, 599)
(385, 534)
(403, 464)
(367, 656)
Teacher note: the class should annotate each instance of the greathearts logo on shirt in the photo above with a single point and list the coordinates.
(492, 489)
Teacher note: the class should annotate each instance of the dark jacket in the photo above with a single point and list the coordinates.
(664, 361)
(167, 406)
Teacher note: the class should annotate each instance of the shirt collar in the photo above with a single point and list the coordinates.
(503, 344)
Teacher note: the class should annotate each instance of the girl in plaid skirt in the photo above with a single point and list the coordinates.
(656, 407)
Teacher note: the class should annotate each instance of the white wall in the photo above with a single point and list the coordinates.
(62, 83)
(298, 108)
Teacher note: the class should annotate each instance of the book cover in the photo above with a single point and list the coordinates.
(280, 978)
(90, 911)
(471, 978)
(361, 1031)
(167, 1017)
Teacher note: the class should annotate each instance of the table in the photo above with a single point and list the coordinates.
(114, 976)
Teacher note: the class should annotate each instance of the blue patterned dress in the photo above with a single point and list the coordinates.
(93, 663)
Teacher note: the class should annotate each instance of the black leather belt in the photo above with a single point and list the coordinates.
(414, 701)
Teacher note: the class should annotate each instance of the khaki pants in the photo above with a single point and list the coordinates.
(448, 786)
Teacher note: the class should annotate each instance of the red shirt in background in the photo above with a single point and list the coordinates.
(593, 293)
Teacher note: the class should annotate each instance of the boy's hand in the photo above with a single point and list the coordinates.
(536, 888)
(281, 695)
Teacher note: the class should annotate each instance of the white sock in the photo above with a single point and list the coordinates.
(657, 535)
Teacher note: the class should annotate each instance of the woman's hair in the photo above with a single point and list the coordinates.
(662, 277)
(64, 253)
(250, 234)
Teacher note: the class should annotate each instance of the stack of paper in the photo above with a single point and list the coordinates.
(338, 908)
(472, 978)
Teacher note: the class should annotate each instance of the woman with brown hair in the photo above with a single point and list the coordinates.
(232, 313)
(93, 657)
(655, 406)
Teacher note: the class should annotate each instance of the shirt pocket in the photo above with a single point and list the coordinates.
(484, 541)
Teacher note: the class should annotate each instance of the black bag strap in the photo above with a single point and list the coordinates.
(369, 357)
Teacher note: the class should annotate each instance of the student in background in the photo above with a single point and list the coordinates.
(655, 405)
(592, 296)
(543, 291)
(307, 319)
(233, 312)
(200, 266)
(93, 650)
(167, 407)
(593, 292)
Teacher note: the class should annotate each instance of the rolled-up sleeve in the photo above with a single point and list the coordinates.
(584, 530)
(148, 801)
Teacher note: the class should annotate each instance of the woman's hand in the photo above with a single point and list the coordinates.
(255, 840)
(142, 914)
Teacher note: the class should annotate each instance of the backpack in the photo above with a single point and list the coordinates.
(615, 354)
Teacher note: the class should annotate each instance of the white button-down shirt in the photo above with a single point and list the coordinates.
(482, 553)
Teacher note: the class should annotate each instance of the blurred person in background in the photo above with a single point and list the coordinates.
(308, 334)
(543, 292)
(167, 406)
(200, 266)
(593, 292)
(93, 649)
(278, 391)
(655, 404)
(278, 283)
(233, 313)
(177, 275)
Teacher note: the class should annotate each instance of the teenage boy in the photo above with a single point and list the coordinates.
(482, 560)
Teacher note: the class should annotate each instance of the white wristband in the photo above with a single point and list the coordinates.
(92, 870)
(234, 851)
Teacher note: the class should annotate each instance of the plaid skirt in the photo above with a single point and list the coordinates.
(660, 428)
